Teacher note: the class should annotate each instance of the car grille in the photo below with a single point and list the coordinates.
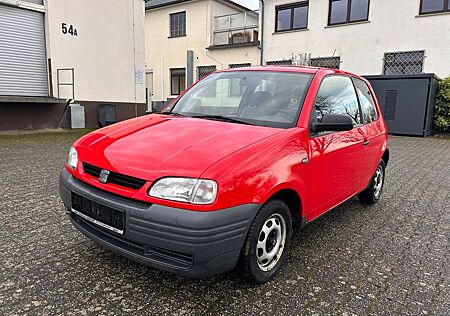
(116, 178)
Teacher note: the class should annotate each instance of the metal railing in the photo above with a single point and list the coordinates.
(62, 72)
(238, 28)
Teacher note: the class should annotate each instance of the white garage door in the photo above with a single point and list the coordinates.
(23, 67)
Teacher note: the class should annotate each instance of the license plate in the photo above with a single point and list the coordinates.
(98, 214)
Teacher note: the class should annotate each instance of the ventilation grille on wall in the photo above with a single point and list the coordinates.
(403, 63)
(326, 62)
(203, 71)
(239, 65)
(390, 104)
(283, 62)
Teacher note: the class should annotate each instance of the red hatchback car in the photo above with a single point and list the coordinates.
(216, 179)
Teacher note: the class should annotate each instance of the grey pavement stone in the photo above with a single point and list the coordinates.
(390, 258)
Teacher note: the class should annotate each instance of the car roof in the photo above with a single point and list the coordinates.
(299, 69)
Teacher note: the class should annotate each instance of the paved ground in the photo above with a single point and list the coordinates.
(392, 258)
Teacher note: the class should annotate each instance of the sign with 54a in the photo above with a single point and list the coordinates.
(69, 29)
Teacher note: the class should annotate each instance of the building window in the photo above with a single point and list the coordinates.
(203, 71)
(403, 63)
(326, 62)
(292, 16)
(348, 11)
(177, 80)
(239, 65)
(284, 62)
(178, 24)
(434, 6)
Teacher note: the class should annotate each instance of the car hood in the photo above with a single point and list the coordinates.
(156, 146)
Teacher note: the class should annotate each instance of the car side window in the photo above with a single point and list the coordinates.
(369, 111)
(336, 95)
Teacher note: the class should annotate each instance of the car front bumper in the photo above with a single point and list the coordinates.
(190, 243)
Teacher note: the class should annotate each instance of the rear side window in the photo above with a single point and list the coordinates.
(369, 111)
(337, 95)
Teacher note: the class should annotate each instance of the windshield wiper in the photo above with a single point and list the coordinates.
(173, 114)
(221, 118)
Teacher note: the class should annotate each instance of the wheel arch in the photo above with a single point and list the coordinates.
(292, 200)
(385, 157)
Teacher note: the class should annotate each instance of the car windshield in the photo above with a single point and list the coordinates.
(263, 98)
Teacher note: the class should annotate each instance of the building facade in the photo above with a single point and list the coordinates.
(91, 52)
(362, 36)
(187, 39)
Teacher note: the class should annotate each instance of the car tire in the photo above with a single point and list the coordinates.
(372, 193)
(267, 244)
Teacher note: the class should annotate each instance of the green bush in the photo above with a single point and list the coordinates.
(442, 109)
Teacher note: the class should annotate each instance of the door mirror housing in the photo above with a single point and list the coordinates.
(333, 123)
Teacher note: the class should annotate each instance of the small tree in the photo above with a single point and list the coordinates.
(442, 109)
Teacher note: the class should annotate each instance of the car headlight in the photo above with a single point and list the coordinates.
(196, 191)
(72, 159)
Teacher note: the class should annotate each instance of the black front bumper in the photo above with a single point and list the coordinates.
(190, 243)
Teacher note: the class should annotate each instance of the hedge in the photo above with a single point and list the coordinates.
(442, 109)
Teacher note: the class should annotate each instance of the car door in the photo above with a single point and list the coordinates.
(372, 129)
(335, 157)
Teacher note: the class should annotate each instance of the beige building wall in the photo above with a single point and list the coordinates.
(164, 53)
(107, 54)
(393, 26)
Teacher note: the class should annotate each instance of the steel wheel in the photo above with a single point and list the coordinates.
(271, 241)
(378, 181)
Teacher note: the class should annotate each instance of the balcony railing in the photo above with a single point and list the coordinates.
(236, 29)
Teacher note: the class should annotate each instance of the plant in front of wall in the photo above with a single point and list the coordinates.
(442, 109)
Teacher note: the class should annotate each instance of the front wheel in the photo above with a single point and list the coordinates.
(267, 243)
(373, 192)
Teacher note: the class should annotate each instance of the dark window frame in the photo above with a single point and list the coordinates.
(349, 12)
(291, 6)
(444, 9)
(170, 24)
(179, 81)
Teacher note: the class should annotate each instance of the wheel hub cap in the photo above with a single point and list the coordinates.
(378, 181)
(271, 240)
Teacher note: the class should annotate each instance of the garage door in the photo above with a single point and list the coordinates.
(23, 68)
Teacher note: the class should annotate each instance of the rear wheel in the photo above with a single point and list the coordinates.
(267, 243)
(373, 192)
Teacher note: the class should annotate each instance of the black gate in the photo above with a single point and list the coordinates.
(407, 102)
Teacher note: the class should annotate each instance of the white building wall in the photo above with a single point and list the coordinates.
(105, 54)
(393, 26)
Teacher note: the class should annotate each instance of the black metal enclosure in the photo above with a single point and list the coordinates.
(407, 102)
(106, 114)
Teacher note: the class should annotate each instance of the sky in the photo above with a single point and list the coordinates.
(252, 4)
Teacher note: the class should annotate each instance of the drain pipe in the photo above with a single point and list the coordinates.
(261, 44)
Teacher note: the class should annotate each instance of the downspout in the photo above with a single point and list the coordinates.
(134, 61)
(261, 44)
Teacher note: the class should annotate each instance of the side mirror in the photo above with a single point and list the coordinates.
(333, 123)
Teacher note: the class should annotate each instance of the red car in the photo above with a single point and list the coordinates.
(216, 179)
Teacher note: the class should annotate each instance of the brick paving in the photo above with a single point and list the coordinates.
(392, 258)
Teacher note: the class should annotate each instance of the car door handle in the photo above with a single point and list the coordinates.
(366, 143)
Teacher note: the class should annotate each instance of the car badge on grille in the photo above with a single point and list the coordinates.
(104, 174)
